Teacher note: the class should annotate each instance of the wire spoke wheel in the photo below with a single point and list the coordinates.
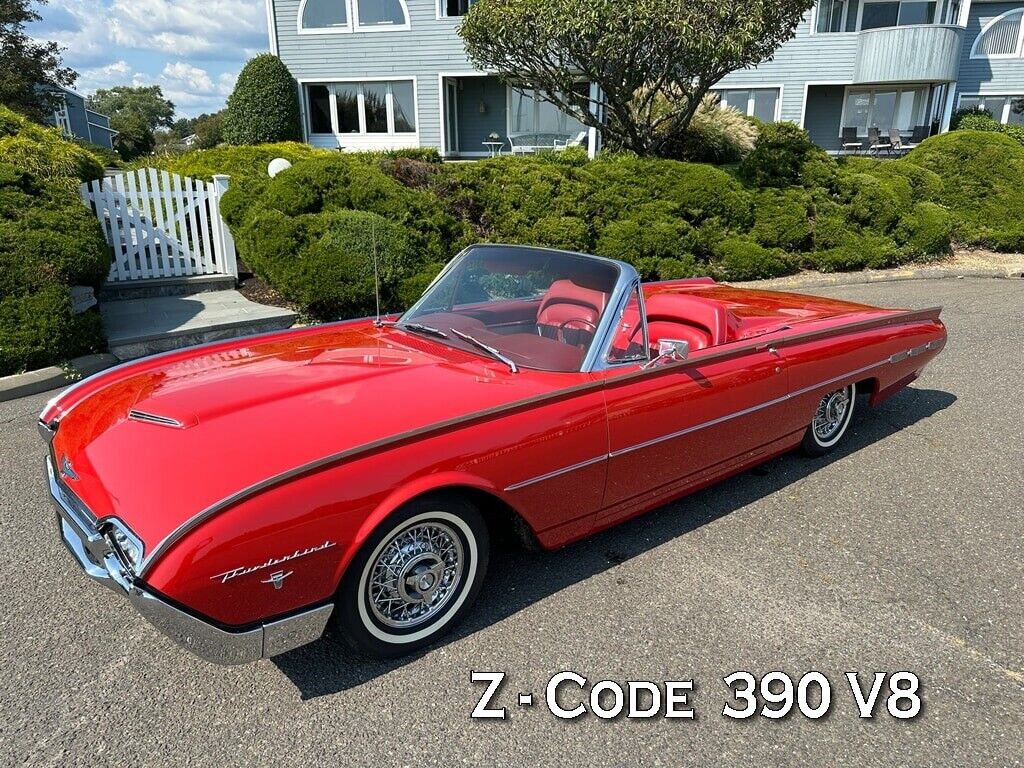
(415, 575)
(830, 421)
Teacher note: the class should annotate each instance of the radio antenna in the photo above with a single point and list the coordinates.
(376, 271)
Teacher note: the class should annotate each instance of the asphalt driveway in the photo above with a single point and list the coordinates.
(903, 551)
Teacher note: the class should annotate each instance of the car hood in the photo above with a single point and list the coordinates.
(157, 442)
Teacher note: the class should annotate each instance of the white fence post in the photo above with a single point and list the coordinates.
(227, 242)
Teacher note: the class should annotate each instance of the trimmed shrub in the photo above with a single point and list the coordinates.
(981, 174)
(859, 250)
(647, 237)
(782, 219)
(45, 153)
(567, 232)
(959, 115)
(264, 106)
(39, 329)
(925, 231)
(742, 259)
(779, 155)
(716, 134)
(325, 262)
(925, 185)
(875, 202)
(978, 121)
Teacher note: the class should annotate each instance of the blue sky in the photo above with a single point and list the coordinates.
(192, 49)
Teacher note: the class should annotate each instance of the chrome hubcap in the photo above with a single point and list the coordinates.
(415, 575)
(831, 413)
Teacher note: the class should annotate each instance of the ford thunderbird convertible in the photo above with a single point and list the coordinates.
(246, 494)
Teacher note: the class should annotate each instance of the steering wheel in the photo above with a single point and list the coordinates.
(560, 333)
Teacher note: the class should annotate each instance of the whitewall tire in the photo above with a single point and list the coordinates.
(415, 577)
(830, 422)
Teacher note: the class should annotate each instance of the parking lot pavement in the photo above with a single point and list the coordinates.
(903, 551)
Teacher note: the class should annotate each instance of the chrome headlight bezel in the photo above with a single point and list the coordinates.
(125, 544)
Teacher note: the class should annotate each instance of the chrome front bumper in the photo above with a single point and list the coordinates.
(96, 557)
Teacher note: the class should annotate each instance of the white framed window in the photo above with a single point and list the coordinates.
(530, 113)
(762, 103)
(831, 16)
(1001, 38)
(333, 16)
(453, 9)
(62, 118)
(1005, 109)
(884, 108)
(385, 107)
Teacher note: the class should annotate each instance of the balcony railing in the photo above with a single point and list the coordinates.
(918, 53)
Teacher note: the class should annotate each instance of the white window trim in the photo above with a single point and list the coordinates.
(441, 15)
(975, 54)
(900, 89)
(858, 27)
(306, 82)
(1004, 117)
(750, 98)
(62, 118)
(353, 26)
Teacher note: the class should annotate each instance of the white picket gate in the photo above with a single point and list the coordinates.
(160, 224)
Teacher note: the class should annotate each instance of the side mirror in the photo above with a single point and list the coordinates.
(674, 349)
(670, 349)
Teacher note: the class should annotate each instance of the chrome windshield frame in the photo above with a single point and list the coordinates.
(627, 278)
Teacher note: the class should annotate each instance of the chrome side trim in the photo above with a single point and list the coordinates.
(153, 418)
(556, 473)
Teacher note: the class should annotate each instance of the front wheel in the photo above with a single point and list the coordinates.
(415, 577)
(830, 421)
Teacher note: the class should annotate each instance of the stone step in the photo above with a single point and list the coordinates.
(139, 327)
(155, 287)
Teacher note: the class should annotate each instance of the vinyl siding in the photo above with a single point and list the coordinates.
(430, 47)
(806, 58)
(988, 76)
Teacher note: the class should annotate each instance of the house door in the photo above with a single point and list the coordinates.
(451, 116)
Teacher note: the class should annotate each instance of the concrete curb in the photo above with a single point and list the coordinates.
(33, 382)
(933, 272)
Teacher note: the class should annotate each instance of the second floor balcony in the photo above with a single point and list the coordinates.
(913, 53)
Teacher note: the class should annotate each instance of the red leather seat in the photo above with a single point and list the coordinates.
(701, 322)
(564, 302)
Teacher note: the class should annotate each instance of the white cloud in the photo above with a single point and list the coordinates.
(101, 77)
(189, 27)
(194, 78)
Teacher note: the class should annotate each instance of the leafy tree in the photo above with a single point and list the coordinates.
(638, 51)
(27, 67)
(209, 130)
(146, 101)
(264, 107)
(134, 136)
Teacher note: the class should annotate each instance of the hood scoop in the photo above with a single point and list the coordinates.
(153, 418)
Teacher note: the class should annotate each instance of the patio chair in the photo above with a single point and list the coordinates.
(896, 140)
(920, 134)
(850, 141)
(875, 143)
(574, 141)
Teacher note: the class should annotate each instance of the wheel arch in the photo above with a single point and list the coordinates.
(503, 520)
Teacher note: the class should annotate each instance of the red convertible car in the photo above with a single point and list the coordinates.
(246, 493)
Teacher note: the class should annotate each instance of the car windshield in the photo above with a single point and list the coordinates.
(528, 307)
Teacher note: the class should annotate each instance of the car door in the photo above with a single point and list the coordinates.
(676, 425)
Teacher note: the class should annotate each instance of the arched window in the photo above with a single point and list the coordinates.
(323, 15)
(382, 14)
(1001, 37)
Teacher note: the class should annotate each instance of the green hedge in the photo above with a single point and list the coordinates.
(788, 206)
(982, 185)
(49, 242)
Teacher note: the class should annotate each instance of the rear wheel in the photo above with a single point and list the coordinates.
(416, 576)
(830, 421)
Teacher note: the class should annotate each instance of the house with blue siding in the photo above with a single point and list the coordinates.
(75, 119)
(381, 74)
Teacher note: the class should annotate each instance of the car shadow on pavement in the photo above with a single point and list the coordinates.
(328, 666)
